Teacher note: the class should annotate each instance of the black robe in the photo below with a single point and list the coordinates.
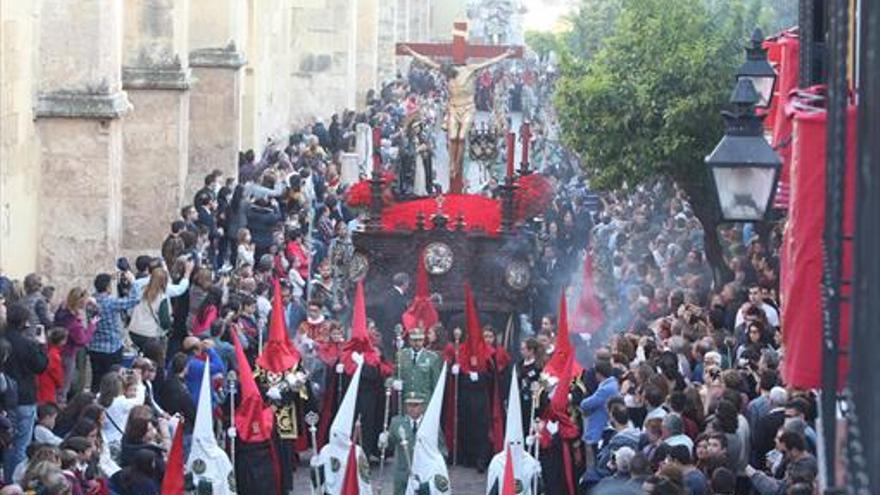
(553, 467)
(474, 420)
(370, 408)
(257, 468)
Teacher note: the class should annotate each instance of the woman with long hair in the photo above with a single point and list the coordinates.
(151, 318)
(74, 317)
(235, 220)
(208, 311)
(117, 407)
(70, 413)
(144, 432)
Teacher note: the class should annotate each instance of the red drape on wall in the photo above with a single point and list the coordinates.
(802, 263)
(782, 52)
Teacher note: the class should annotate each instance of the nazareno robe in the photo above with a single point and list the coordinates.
(256, 468)
(474, 418)
(370, 408)
(558, 458)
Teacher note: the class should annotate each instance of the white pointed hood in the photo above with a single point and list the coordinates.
(513, 433)
(525, 467)
(334, 455)
(428, 464)
(206, 459)
(343, 422)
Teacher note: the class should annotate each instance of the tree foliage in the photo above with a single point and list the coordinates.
(647, 104)
(542, 42)
(590, 25)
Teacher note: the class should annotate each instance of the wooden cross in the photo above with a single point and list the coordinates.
(459, 50)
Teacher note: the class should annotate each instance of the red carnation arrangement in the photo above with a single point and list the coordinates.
(359, 194)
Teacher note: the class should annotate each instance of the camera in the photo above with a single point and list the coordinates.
(122, 264)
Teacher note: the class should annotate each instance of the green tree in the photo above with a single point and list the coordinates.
(648, 104)
(590, 24)
(542, 42)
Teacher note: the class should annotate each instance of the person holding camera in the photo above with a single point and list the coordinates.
(105, 348)
(27, 359)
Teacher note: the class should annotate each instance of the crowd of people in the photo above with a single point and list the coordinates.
(682, 393)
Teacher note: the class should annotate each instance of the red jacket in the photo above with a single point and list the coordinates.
(51, 378)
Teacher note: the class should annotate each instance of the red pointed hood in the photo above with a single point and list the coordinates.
(508, 487)
(559, 401)
(253, 418)
(564, 349)
(421, 310)
(360, 340)
(351, 483)
(558, 410)
(173, 480)
(279, 355)
(474, 346)
(588, 314)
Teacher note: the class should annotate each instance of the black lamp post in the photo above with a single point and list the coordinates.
(743, 166)
(758, 70)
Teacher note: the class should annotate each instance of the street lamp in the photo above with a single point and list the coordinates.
(758, 70)
(743, 166)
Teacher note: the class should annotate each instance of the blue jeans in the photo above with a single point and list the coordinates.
(22, 418)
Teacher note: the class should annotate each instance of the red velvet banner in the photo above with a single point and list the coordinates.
(782, 51)
(802, 264)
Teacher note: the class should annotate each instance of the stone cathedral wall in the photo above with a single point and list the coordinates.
(113, 111)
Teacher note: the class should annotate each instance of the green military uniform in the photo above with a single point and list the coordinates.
(418, 371)
(402, 459)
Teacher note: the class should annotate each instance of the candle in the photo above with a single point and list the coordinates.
(511, 150)
(526, 138)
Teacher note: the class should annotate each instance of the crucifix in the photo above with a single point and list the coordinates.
(460, 84)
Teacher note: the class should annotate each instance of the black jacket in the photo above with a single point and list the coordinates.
(177, 399)
(261, 222)
(26, 361)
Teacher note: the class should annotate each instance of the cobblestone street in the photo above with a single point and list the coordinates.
(465, 481)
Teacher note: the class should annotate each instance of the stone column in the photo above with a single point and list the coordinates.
(78, 109)
(156, 76)
(386, 39)
(367, 47)
(215, 96)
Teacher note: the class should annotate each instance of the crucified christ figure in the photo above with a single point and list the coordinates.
(461, 107)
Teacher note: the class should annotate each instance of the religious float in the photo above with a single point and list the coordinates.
(458, 237)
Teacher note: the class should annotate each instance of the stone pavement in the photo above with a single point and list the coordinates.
(465, 481)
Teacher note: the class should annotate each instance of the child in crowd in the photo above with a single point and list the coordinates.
(52, 378)
(46, 416)
(245, 250)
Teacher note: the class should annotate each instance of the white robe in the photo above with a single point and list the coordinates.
(335, 455)
(526, 473)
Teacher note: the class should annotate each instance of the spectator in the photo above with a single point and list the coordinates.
(74, 316)
(105, 348)
(36, 303)
(51, 380)
(596, 415)
(26, 360)
(176, 397)
(694, 480)
(801, 466)
(46, 416)
(673, 433)
(117, 406)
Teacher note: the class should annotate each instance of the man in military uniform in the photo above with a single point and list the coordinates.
(418, 368)
(401, 436)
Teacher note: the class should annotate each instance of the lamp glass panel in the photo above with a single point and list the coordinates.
(743, 192)
(764, 88)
